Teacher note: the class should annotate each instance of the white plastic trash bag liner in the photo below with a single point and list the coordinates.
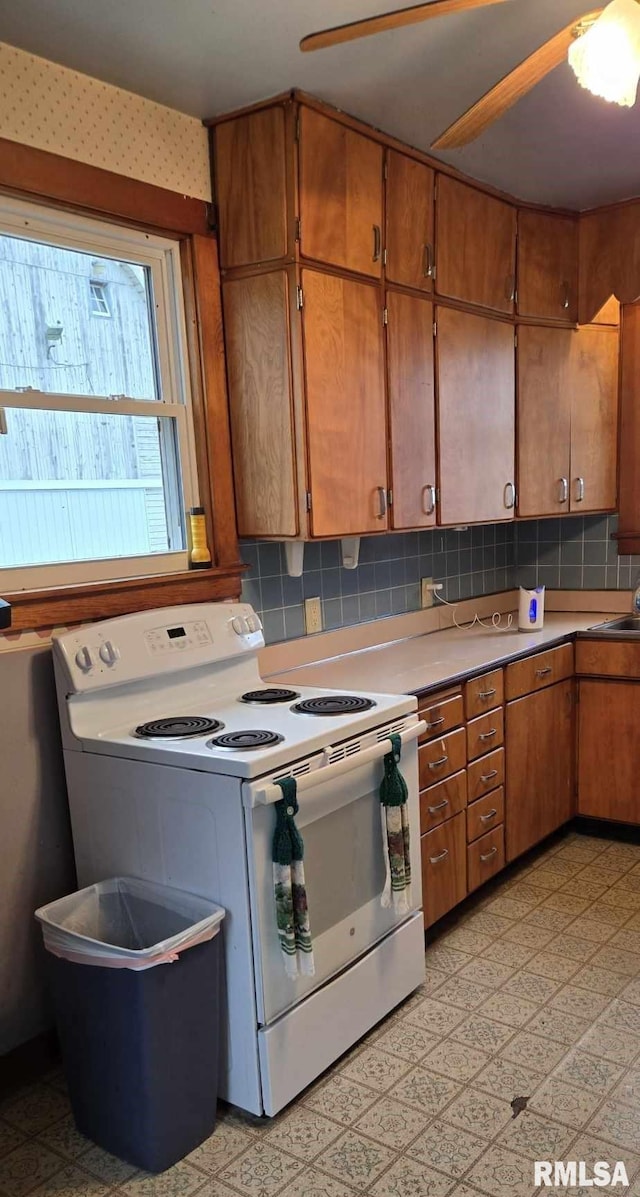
(127, 923)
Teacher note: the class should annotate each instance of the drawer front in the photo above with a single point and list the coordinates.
(440, 802)
(440, 758)
(485, 814)
(485, 774)
(444, 868)
(485, 733)
(543, 669)
(441, 716)
(483, 693)
(613, 658)
(485, 857)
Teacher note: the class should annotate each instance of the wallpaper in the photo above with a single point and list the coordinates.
(50, 107)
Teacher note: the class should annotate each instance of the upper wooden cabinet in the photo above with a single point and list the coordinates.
(629, 480)
(547, 266)
(475, 246)
(250, 164)
(567, 420)
(410, 244)
(411, 410)
(476, 417)
(340, 179)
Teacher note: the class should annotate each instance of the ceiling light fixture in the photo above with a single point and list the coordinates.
(606, 56)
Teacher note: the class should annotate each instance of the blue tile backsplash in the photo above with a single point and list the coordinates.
(571, 553)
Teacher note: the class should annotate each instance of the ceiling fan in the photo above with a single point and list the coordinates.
(602, 46)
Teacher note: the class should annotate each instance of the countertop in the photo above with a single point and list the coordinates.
(438, 658)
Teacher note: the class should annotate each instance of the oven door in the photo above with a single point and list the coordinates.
(341, 825)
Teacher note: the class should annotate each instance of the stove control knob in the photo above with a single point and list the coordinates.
(108, 653)
(239, 625)
(83, 659)
(253, 623)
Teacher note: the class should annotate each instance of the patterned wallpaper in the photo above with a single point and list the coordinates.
(50, 107)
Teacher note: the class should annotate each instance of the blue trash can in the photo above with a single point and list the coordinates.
(135, 973)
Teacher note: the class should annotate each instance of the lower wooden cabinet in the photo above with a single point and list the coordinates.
(485, 858)
(540, 765)
(609, 750)
(444, 868)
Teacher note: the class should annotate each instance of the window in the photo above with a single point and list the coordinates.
(99, 301)
(96, 435)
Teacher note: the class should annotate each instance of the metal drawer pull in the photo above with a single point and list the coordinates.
(439, 763)
(543, 672)
(377, 243)
(430, 507)
(564, 490)
(437, 859)
(486, 693)
(489, 776)
(510, 495)
(433, 810)
(428, 262)
(435, 723)
(489, 735)
(579, 490)
(382, 496)
(510, 288)
(565, 295)
(488, 855)
(489, 815)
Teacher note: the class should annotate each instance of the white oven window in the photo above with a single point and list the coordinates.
(344, 864)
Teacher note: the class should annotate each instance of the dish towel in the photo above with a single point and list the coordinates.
(289, 888)
(395, 832)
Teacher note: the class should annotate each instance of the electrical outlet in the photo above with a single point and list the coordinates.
(312, 615)
(425, 593)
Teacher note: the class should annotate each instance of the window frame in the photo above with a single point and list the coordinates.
(76, 187)
(98, 295)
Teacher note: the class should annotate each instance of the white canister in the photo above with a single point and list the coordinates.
(531, 610)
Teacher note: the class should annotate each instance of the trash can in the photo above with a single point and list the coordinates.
(135, 975)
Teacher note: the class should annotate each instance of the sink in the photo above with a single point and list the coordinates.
(626, 625)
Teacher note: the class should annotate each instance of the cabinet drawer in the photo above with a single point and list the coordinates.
(485, 814)
(485, 733)
(613, 658)
(440, 715)
(485, 857)
(444, 868)
(543, 669)
(440, 802)
(485, 774)
(440, 758)
(483, 693)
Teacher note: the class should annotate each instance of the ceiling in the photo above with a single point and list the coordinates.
(559, 145)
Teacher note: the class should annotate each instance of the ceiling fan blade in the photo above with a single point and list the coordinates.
(389, 20)
(509, 90)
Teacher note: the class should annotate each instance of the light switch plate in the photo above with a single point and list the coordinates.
(426, 595)
(312, 615)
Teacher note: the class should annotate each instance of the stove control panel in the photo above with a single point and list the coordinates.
(178, 638)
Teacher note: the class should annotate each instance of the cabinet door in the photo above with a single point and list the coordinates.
(251, 187)
(411, 410)
(544, 420)
(257, 339)
(593, 383)
(345, 403)
(340, 195)
(540, 759)
(476, 413)
(609, 750)
(475, 246)
(548, 266)
(410, 218)
(444, 868)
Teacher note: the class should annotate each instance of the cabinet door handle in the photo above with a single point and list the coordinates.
(510, 288)
(491, 814)
(565, 295)
(435, 723)
(382, 496)
(493, 731)
(488, 855)
(486, 693)
(437, 859)
(510, 495)
(485, 777)
(433, 810)
(377, 243)
(439, 763)
(430, 506)
(564, 490)
(428, 261)
(544, 672)
(579, 490)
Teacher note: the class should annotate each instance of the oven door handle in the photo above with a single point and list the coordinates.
(329, 773)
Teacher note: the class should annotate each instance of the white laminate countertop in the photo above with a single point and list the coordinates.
(437, 658)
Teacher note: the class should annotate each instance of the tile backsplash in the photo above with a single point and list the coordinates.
(569, 553)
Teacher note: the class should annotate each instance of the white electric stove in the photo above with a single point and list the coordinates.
(172, 745)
